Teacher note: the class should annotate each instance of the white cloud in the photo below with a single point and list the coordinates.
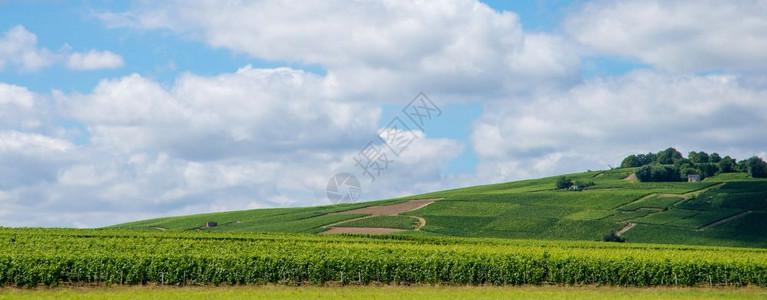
(29, 158)
(13, 141)
(378, 50)
(252, 138)
(94, 60)
(19, 107)
(597, 123)
(267, 111)
(18, 49)
(676, 35)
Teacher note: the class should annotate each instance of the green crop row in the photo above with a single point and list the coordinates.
(400, 222)
(53, 257)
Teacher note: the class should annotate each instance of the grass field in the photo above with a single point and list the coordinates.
(668, 212)
(384, 292)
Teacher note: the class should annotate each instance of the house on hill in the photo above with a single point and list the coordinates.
(210, 224)
(693, 178)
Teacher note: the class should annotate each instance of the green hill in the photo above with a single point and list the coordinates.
(726, 210)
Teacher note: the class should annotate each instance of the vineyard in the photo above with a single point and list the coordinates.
(724, 210)
(52, 257)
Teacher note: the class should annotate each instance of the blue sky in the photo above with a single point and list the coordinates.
(156, 109)
(163, 56)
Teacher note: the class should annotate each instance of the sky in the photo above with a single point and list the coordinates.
(114, 111)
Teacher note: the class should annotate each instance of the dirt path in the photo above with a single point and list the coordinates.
(632, 178)
(392, 209)
(687, 195)
(695, 192)
(727, 219)
(625, 228)
(365, 230)
(421, 222)
(637, 200)
(373, 211)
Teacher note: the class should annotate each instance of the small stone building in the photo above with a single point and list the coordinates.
(211, 224)
(693, 178)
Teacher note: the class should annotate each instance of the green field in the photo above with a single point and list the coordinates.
(386, 292)
(300, 219)
(399, 222)
(56, 257)
(704, 235)
(667, 212)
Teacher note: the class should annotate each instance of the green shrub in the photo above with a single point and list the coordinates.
(564, 183)
(611, 236)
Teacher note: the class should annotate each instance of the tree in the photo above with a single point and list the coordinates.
(665, 173)
(757, 168)
(693, 156)
(726, 165)
(669, 156)
(708, 169)
(687, 171)
(631, 161)
(702, 157)
(715, 158)
(657, 173)
(564, 183)
(646, 159)
(683, 163)
(644, 174)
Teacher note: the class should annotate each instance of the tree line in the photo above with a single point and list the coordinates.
(671, 165)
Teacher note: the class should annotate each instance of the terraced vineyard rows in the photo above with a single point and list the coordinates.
(665, 212)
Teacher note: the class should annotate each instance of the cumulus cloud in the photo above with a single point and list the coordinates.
(597, 123)
(19, 107)
(249, 112)
(18, 49)
(249, 139)
(94, 60)
(454, 47)
(676, 35)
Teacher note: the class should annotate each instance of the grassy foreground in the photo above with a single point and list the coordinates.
(384, 292)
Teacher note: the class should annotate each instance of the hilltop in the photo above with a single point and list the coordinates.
(728, 209)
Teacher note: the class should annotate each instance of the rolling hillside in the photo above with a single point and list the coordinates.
(727, 210)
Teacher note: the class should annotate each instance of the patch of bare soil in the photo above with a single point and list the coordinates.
(632, 178)
(421, 222)
(624, 229)
(361, 230)
(388, 209)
